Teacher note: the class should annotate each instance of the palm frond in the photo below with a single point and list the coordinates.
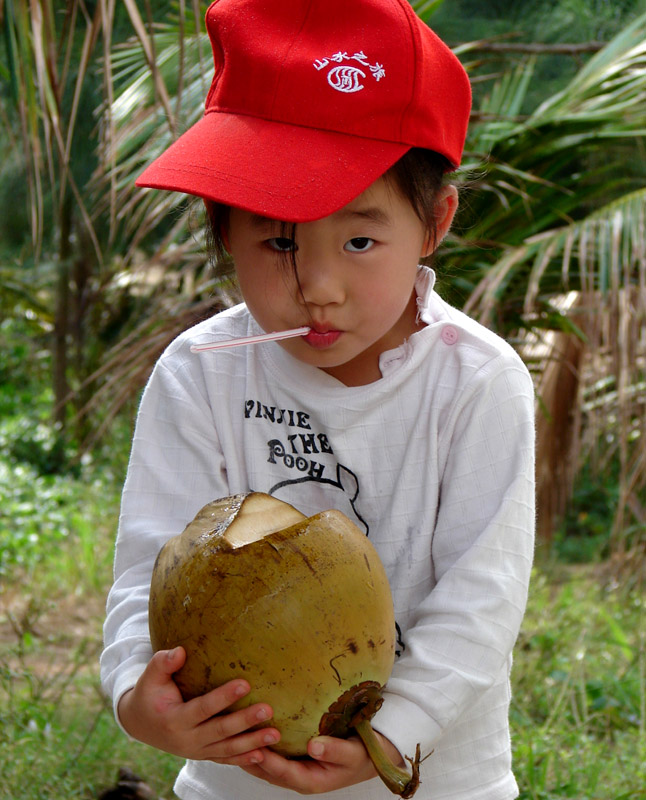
(149, 51)
(139, 114)
(425, 8)
(41, 47)
(552, 254)
(602, 253)
(610, 75)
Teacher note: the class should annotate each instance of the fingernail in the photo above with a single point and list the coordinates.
(240, 690)
(270, 738)
(171, 654)
(317, 749)
(262, 714)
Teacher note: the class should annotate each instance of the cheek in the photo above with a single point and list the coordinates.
(381, 310)
(392, 288)
(266, 288)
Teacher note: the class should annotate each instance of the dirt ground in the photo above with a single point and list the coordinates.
(51, 638)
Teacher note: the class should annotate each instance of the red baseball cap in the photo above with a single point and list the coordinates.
(311, 102)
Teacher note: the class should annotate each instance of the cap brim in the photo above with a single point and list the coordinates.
(281, 171)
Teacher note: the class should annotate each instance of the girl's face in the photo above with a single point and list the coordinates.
(356, 273)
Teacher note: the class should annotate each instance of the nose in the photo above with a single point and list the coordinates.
(321, 281)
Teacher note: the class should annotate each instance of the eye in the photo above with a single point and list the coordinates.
(281, 244)
(359, 244)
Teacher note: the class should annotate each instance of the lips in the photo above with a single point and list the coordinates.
(320, 339)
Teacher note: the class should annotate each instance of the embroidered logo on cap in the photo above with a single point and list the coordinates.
(346, 78)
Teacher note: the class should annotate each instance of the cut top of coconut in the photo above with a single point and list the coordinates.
(260, 515)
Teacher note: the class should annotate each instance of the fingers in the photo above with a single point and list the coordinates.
(208, 705)
(335, 764)
(343, 752)
(280, 771)
(154, 694)
(203, 728)
(227, 736)
(163, 664)
(242, 749)
(347, 751)
(233, 731)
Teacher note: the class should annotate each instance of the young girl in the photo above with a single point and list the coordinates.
(328, 128)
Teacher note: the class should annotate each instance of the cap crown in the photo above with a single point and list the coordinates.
(367, 68)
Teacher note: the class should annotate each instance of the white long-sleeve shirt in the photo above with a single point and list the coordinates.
(434, 461)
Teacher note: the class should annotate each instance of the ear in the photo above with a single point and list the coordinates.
(446, 205)
(221, 220)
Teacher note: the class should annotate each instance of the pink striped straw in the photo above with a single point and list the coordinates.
(262, 337)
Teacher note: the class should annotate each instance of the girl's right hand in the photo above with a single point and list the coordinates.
(155, 713)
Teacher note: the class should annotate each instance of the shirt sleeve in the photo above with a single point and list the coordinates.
(461, 639)
(176, 467)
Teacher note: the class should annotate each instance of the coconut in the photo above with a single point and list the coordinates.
(298, 606)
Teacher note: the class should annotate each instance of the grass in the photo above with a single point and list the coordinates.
(76, 754)
(579, 705)
(58, 737)
(578, 713)
(58, 516)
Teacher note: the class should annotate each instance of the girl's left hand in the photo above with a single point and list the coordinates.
(334, 764)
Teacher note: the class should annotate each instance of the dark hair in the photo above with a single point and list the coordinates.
(418, 176)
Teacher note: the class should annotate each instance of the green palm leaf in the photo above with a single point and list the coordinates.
(552, 254)
(575, 153)
(599, 254)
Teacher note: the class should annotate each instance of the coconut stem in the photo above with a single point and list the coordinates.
(396, 779)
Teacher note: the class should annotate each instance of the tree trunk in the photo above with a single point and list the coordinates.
(61, 317)
(556, 432)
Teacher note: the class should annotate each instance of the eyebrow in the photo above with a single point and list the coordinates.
(258, 221)
(371, 213)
